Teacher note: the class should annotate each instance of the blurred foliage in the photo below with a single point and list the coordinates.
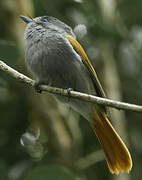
(22, 111)
(3, 170)
(10, 57)
(49, 172)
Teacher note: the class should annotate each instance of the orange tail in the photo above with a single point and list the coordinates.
(117, 155)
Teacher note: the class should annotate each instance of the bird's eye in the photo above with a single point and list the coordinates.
(44, 19)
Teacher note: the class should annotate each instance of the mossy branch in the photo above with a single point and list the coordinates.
(77, 95)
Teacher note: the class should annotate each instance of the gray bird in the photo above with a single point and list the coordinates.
(56, 58)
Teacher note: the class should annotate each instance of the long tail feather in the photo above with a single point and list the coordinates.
(117, 155)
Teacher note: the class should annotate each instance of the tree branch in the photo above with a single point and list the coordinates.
(77, 95)
(90, 159)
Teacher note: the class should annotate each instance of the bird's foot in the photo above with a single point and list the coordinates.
(37, 85)
(69, 91)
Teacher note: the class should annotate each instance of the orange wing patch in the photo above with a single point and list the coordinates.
(79, 49)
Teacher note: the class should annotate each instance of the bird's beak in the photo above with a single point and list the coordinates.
(26, 19)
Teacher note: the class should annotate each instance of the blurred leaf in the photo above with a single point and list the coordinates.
(51, 172)
(3, 171)
(3, 83)
(8, 52)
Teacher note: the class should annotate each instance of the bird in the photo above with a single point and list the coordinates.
(55, 57)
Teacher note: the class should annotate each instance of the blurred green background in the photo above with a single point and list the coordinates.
(39, 137)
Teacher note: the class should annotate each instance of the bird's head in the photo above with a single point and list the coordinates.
(48, 23)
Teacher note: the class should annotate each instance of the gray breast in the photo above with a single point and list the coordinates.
(51, 58)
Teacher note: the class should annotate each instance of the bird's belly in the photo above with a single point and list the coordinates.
(70, 74)
(62, 73)
(65, 72)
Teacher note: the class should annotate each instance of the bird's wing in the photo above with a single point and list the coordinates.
(79, 49)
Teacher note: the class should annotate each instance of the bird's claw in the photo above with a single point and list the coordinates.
(69, 91)
(37, 86)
